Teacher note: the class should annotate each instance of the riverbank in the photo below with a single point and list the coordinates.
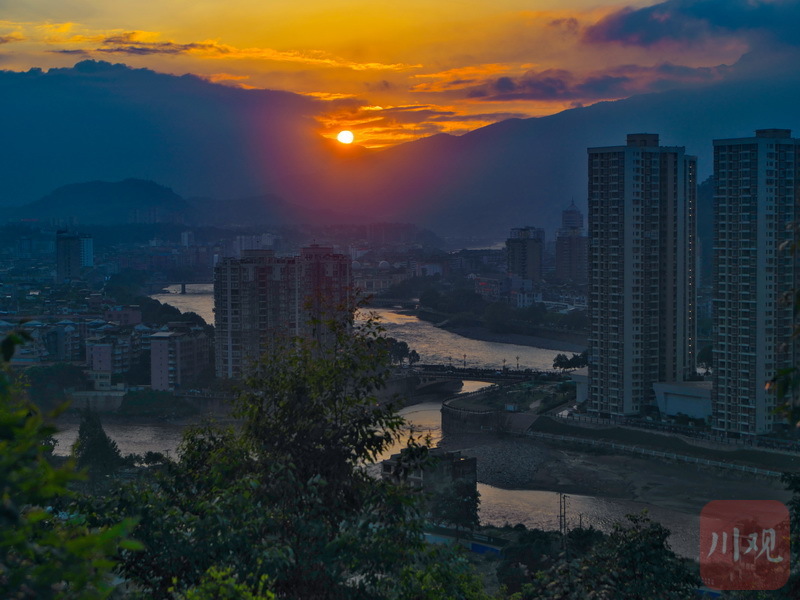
(518, 463)
(484, 335)
(561, 341)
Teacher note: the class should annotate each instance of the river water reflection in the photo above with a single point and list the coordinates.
(498, 506)
(434, 345)
(538, 508)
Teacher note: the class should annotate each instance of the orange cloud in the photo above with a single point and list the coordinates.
(229, 79)
(458, 78)
(144, 43)
(11, 37)
(329, 96)
(378, 126)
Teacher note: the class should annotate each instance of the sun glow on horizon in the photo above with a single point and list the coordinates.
(345, 137)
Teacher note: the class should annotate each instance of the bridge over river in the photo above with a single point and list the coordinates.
(489, 375)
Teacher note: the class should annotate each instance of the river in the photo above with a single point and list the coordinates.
(434, 345)
(533, 508)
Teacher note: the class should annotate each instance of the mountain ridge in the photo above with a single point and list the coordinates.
(106, 122)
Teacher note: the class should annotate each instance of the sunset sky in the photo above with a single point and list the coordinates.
(392, 72)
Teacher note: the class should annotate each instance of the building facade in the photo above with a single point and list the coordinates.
(571, 247)
(260, 298)
(525, 248)
(755, 199)
(73, 252)
(641, 272)
(178, 357)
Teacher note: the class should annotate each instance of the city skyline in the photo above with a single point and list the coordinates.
(265, 241)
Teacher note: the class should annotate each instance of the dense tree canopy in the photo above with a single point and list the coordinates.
(44, 554)
(286, 498)
(633, 563)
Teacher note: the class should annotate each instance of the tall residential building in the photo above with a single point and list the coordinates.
(641, 272)
(261, 297)
(755, 199)
(525, 252)
(178, 356)
(73, 252)
(571, 247)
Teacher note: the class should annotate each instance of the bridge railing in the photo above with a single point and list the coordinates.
(487, 372)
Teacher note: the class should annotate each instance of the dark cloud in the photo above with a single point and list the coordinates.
(569, 25)
(504, 85)
(72, 52)
(687, 21)
(127, 43)
(617, 82)
(382, 86)
(12, 37)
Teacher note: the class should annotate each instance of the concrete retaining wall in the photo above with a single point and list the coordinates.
(459, 420)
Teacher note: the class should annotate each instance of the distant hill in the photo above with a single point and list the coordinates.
(139, 201)
(99, 121)
(107, 203)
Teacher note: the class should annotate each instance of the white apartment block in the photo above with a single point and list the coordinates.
(642, 218)
(755, 199)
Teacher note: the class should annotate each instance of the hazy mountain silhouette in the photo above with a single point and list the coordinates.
(110, 122)
(107, 203)
(139, 201)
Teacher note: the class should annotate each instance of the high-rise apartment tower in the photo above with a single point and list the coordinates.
(571, 247)
(261, 297)
(525, 248)
(73, 252)
(755, 198)
(641, 272)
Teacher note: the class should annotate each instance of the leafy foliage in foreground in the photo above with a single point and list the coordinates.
(286, 497)
(634, 562)
(43, 554)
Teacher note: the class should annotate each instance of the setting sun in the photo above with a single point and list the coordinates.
(346, 137)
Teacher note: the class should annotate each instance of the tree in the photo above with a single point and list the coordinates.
(398, 351)
(42, 554)
(413, 358)
(561, 362)
(499, 317)
(47, 385)
(457, 504)
(576, 361)
(705, 358)
(286, 496)
(221, 584)
(575, 320)
(633, 563)
(430, 298)
(155, 403)
(94, 450)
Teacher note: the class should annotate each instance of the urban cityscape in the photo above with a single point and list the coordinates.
(534, 336)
